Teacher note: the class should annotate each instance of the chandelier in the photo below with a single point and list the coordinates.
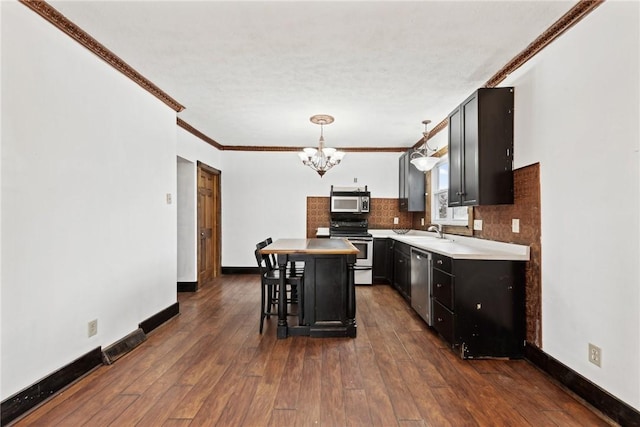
(323, 158)
(422, 158)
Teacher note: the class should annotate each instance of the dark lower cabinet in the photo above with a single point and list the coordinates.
(479, 306)
(402, 269)
(382, 260)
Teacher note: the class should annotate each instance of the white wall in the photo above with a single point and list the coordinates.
(87, 160)
(191, 150)
(577, 109)
(187, 207)
(265, 194)
(194, 149)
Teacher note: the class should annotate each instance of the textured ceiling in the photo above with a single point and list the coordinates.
(252, 73)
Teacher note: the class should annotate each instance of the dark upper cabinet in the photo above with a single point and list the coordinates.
(410, 185)
(481, 149)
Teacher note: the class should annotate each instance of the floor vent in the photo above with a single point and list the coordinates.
(124, 346)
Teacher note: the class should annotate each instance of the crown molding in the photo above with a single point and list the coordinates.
(295, 149)
(50, 14)
(566, 21)
(195, 132)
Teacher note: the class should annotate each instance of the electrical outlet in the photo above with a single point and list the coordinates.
(92, 328)
(477, 224)
(595, 354)
(396, 220)
(515, 225)
(421, 221)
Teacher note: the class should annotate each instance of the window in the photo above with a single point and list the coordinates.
(440, 212)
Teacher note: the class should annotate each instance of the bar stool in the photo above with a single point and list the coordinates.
(270, 288)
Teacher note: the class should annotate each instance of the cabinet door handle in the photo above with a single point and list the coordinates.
(439, 319)
(439, 262)
(438, 285)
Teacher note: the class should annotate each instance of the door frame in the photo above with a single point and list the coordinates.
(217, 213)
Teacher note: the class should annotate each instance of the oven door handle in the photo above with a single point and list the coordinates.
(357, 268)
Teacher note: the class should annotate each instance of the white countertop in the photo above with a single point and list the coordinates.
(458, 247)
(454, 246)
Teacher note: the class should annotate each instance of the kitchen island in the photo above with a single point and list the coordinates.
(327, 299)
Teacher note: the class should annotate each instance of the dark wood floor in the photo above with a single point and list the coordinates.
(209, 366)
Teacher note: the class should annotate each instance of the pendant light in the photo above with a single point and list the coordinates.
(323, 158)
(422, 158)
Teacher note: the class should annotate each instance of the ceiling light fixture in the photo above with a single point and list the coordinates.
(323, 158)
(422, 158)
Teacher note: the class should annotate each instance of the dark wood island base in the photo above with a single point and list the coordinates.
(327, 300)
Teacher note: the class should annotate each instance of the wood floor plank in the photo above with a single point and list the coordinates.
(332, 402)
(210, 366)
(308, 407)
(176, 422)
(199, 392)
(378, 399)
(239, 402)
(357, 408)
(110, 411)
(162, 408)
(219, 395)
(259, 413)
(282, 417)
(454, 410)
(349, 365)
(419, 387)
(95, 392)
(290, 383)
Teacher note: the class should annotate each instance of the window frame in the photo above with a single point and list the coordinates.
(461, 230)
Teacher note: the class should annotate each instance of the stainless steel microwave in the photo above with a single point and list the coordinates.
(357, 204)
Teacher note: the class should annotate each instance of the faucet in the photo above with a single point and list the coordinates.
(438, 229)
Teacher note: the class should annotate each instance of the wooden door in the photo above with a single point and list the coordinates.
(208, 223)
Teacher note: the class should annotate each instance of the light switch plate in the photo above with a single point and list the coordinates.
(477, 224)
(396, 220)
(169, 199)
(515, 225)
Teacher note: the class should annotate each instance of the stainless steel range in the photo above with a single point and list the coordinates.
(349, 210)
(356, 230)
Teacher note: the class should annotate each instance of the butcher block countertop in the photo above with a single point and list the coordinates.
(311, 247)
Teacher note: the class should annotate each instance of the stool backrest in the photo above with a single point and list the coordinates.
(263, 262)
(270, 260)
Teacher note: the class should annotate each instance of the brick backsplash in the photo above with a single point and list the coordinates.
(381, 215)
(496, 225)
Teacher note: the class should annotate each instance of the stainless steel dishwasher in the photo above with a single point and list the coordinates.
(421, 284)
